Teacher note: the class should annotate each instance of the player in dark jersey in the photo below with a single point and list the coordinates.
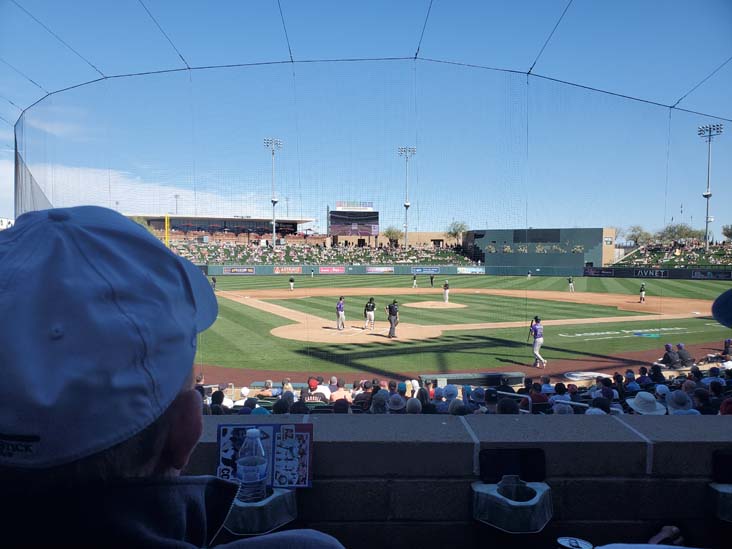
(392, 312)
(368, 314)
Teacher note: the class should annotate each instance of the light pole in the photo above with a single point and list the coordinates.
(177, 196)
(273, 144)
(407, 153)
(708, 132)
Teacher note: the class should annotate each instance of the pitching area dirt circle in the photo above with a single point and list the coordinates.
(434, 305)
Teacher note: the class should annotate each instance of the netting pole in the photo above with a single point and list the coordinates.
(167, 230)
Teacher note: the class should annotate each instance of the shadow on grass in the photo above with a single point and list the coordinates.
(344, 355)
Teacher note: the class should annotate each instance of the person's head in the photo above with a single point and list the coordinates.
(668, 347)
(217, 397)
(438, 395)
(289, 397)
(688, 387)
(82, 292)
(334, 381)
(367, 386)
(282, 406)
(450, 392)
(395, 302)
(340, 299)
(572, 389)
(414, 406)
(701, 397)
(200, 379)
(299, 407)
(643, 371)
(715, 389)
(607, 382)
(725, 409)
(286, 382)
(478, 395)
(423, 396)
(601, 403)
(545, 380)
(268, 384)
(371, 300)
(560, 388)
(678, 400)
(378, 402)
(396, 404)
(312, 384)
(392, 386)
(680, 346)
(320, 380)
(655, 369)
(562, 409)
(456, 408)
(662, 392)
(537, 320)
(507, 405)
(340, 382)
(251, 402)
(341, 406)
(528, 382)
(536, 388)
(607, 393)
(713, 371)
(629, 376)
(402, 388)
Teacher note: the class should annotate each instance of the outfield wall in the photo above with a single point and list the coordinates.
(335, 270)
(646, 272)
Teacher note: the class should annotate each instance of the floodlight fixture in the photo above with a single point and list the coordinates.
(708, 132)
(273, 144)
(407, 153)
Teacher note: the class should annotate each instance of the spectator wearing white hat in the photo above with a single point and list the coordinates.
(646, 404)
(95, 305)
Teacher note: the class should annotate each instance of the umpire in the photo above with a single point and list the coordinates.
(393, 312)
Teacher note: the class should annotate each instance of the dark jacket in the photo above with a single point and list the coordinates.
(671, 359)
(685, 357)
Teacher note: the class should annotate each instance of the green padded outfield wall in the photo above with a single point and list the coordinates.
(544, 252)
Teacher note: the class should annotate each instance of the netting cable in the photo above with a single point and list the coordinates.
(715, 71)
(11, 102)
(424, 27)
(548, 38)
(28, 78)
(57, 37)
(165, 34)
(284, 27)
(668, 154)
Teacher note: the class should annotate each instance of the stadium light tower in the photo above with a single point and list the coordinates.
(708, 132)
(273, 144)
(407, 153)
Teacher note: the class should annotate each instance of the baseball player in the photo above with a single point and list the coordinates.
(340, 313)
(368, 313)
(213, 283)
(392, 312)
(528, 275)
(432, 281)
(537, 330)
(446, 291)
(312, 273)
(292, 283)
(570, 280)
(414, 281)
(642, 292)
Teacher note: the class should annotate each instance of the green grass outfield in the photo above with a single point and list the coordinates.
(478, 308)
(700, 289)
(240, 339)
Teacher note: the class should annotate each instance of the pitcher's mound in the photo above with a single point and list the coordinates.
(435, 305)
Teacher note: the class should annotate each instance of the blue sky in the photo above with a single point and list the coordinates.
(494, 149)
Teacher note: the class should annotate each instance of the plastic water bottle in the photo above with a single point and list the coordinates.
(251, 469)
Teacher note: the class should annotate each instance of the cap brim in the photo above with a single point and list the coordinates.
(207, 308)
(722, 309)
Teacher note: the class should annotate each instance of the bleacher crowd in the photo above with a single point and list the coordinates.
(654, 391)
(305, 254)
(679, 254)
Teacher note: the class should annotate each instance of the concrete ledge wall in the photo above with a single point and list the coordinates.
(401, 481)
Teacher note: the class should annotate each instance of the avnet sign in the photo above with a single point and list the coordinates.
(650, 273)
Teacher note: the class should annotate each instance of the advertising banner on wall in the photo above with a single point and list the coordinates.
(712, 275)
(425, 270)
(594, 271)
(471, 270)
(379, 270)
(288, 270)
(238, 270)
(331, 270)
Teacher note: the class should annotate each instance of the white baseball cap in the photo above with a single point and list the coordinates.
(97, 334)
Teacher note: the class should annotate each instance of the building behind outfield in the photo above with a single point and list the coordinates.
(541, 251)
